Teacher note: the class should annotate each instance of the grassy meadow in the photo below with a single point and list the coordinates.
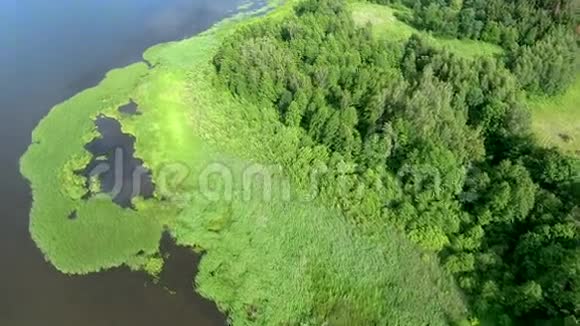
(386, 25)
(556, 120)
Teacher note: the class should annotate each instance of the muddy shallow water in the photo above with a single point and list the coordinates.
(51, 50)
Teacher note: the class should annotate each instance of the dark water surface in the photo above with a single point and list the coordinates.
(50, 50)
(120, 174)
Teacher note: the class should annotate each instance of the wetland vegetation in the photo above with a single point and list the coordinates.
(337, 163)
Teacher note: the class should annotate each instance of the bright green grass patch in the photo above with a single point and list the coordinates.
(267, 261)
(103, 235)
(556, 120)
(386, 25)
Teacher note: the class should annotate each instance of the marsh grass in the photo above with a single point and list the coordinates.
(103, 235)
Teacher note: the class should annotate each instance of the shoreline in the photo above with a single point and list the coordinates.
(257, 254)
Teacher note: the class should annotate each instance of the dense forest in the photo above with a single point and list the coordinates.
(539, 35)
(436, 145)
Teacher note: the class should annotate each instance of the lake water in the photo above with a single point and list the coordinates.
(50, 50)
